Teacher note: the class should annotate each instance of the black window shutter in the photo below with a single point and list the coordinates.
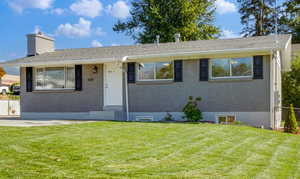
(131, 72)
(258, 71)
(29, 77)
(78, 77)
(203, 74)
(178, 71)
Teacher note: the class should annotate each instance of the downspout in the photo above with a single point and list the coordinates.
(126, 89)
(274, 65)
(277, 90)
(271, 91)
(274, 73)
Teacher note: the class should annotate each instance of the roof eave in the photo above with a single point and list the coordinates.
(265, 50)
(58, 62)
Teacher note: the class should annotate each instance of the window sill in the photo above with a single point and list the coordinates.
(55, 91)
(162, 82)
(231, 79)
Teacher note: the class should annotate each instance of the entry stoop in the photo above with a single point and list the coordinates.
(113, 108)
(117, 110)
(102, 115)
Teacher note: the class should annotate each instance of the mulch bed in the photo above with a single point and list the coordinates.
(4, 97)
(7, 97)
(282, 130)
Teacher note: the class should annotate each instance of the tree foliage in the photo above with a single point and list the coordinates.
(290, 19)
(290, 124)
(291, 85)
(149, 18)
(257, 16)
(2, 72)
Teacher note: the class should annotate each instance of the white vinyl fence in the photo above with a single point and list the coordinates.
(9, 107)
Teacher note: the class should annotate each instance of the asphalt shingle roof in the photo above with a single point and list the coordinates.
(118, 52)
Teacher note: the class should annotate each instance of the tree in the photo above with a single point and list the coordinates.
(191, 18)
(257, 16)
(290, 124)
(290, 19)
(2, 72)
(291, 84)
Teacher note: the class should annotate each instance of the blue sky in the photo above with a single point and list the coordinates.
(81, 23)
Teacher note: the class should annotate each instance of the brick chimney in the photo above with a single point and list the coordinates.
(38, 44)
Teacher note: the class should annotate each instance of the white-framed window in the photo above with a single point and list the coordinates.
(225, 119)
(231, 67)
(151, 71)
(48, 78)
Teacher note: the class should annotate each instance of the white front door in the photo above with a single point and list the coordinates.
(113, 84)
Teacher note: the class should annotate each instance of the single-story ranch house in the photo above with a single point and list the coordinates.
(237, 79)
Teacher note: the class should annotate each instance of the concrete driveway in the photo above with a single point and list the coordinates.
(16, 122)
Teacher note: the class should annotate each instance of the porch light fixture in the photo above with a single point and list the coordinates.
(95, 69)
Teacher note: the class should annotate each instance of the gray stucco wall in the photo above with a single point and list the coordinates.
(89, 99)
(217, 96)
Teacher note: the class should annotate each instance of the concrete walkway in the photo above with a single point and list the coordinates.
(16, 122)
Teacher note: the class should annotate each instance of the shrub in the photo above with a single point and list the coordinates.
(291, 85)
(290, 124)
(168, 117)
(237, 123)
(191, 110)
(11, 88)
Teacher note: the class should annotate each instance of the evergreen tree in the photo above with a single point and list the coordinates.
(191, 18)
(290, 124)
(290, 19)
(257, 16)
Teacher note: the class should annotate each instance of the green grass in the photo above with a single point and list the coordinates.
(147, 150)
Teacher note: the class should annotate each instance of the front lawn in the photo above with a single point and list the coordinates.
(146, 150)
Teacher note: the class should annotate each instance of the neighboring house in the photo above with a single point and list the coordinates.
(238, 79)
(8, 80)
(295, 50)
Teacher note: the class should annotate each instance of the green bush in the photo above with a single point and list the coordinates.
(237, 123)
(191, 110)
(291, 85)
(290, 124)
(12, 86)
